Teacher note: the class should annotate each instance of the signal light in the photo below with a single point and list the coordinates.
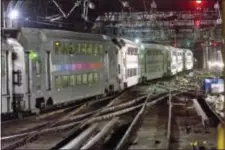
(197, 23)
(198, 1)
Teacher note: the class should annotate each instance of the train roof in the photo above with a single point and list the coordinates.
(65, 34)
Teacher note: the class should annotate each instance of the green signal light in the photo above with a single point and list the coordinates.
(33, 55)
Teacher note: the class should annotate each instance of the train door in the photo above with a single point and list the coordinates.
(6, 90)
(106, 70)
(18, 76)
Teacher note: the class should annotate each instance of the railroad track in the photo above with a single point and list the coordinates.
(80, 115)
(176, 124)
(90, 120)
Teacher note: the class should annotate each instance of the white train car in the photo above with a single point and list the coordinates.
(173, 61)
(188, 59)
(128, 64)
(180, 60)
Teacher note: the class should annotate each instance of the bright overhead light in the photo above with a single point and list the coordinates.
(137, 40)
(14, 14)
(91, 5)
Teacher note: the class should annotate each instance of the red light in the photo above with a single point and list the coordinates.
(198, 1)
(197, 23)
(214, 44)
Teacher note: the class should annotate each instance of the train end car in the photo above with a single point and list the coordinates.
(128, 63)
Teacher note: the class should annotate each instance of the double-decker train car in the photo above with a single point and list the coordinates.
(128, 63)
(154, 61)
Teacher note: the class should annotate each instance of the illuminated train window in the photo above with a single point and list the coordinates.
(65, 81)
(72, 80)
(67, 48)
(79, 48)
(85, 78)
(96, 77)
(79, 80)
(90, 48)
(90, 78)
(101, 49)
(58, 82)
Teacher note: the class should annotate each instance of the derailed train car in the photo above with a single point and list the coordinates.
(157, 61)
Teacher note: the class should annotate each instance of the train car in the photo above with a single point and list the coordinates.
(180, 59)
(12, 70)
(172, 56)
(128, 64)
(63, 66)
(154, 61)
(188, 59)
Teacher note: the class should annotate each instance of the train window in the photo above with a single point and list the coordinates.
(70, 47)
(174, 53)
(84, 78)
(95, 77)
(38, 67)
(73, 48)
(79, 48)
(90, 78)
(84, 48)
(79, 81)
(72, 81)
(90, 49)
(3, 66)
(58, 84)
(128, 73)
(65, 81)
(63, 49)
(101, 49)
(119, 69)
(96, 49)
